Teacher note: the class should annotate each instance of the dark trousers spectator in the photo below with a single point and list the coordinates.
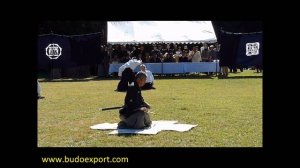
(258, 69)
(234, 69)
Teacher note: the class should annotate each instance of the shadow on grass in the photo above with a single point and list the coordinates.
(79, 79)
(96, 78)
(192, 76)
(126, 135)
(240, 77)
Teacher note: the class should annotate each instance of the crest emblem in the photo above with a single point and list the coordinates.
(252, 49)
(53, 51)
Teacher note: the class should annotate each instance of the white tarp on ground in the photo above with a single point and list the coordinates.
(156, 127)
(160, 31)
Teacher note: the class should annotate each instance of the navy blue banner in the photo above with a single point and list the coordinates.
(57, 51)
(48, 44)
(250, 51)
(241, 49)
(86, 49)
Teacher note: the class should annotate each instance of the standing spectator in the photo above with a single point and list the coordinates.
(223, 63)
(105, 60)
(212, 52)
(195, 55)
(39, 90)
(204, 53)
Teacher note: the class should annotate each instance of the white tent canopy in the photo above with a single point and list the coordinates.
(160, 31)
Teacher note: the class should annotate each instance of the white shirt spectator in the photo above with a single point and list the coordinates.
(195, 55)
(150, 77)
(133, 63)
(39, 89)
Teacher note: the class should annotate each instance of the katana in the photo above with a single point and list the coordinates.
(111, 108)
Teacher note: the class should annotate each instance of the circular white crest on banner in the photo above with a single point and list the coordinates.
(53, 51)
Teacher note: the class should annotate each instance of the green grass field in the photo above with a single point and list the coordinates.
(228, 112)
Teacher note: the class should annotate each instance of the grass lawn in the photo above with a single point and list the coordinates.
(228, 112)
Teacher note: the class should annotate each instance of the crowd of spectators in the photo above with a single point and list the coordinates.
(165, 52)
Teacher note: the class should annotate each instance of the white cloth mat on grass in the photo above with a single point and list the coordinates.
(156, 127)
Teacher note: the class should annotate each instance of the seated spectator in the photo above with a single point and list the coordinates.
(155, 51)
(147, 57)
(125, 59)
(115, 60)
(169, 58)
(177, 55)
(150, 78)
(184, 57)
(154, 59)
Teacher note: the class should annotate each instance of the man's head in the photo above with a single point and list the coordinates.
(140, 78)
(143, 68)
